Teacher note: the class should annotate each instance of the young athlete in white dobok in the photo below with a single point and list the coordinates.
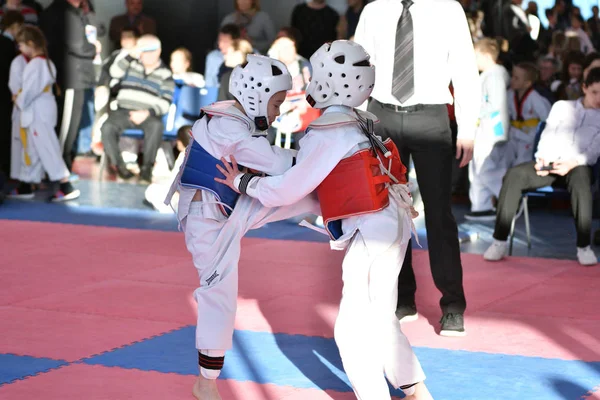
(214, 217)
(35, 148)
(367, 210)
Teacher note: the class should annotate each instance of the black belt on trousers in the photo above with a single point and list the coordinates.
(400, 109)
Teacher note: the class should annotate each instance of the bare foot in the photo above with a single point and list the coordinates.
(421, 393)
(205, 389)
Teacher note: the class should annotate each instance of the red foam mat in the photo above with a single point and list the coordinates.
(69, 336)
(527, 306)
(77, 382)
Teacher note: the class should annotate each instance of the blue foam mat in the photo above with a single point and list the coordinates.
(14, 367)
(313, 362)
(130, 218)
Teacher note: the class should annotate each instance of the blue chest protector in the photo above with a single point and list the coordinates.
(200, 171)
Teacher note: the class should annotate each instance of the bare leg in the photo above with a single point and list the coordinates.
(205, 389)
(420, 392)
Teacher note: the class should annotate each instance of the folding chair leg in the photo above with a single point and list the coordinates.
(512, 235)
(526, 215)
(288, 141)
(102, 167)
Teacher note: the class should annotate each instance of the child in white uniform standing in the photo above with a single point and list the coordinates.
(367, 209)
(486, 169)
(213, 217)
(35, 146)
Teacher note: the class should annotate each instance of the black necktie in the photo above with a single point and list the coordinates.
(403, 84)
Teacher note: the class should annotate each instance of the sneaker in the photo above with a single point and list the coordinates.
(497, 251)
(146, 175)
(488, 215)
(453, 325)
(586, 256)
(124, 173)
(407, 313)
(65, 192)
(23, 192)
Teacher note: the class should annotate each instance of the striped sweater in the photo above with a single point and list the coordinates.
(138, 91)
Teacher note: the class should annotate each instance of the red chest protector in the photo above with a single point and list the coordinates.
(358, 186)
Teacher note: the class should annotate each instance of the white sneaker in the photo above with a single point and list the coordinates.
(586, 256)
(497, 251)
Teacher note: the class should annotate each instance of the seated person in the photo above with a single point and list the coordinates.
(228, 34)
(568, 148)
(592, 61)
(181, 66)
(145, 95)
(107, 87)
(236, 55)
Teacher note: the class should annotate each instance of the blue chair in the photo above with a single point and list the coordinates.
(550, 192)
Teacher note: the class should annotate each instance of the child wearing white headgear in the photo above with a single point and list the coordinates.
(367, 210)
(214, 217)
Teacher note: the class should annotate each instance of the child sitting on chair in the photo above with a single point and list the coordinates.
(569, 147)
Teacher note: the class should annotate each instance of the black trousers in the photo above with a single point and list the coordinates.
(114, 126)
(70, 109)
(524, 177)
(426, 135)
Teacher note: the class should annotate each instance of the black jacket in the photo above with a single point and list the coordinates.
(71, 52)
(8, 52)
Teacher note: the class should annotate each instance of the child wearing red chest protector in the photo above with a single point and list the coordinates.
(366, 206)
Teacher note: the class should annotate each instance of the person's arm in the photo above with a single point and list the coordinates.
(592, 152)
(317, 157)
(464, 74)
(36, 78)
(118, 69)
(499, 104)
(230, 136)
(15, 77)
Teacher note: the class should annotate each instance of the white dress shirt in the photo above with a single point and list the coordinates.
(443, 52)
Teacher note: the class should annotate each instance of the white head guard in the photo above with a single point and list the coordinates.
(342, 75)
(254, 83)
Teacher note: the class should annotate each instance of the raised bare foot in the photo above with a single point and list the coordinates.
(205, 389)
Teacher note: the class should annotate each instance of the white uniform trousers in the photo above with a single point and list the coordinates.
(486, 171)
(367, 332)
(40, 153)
(215, 247)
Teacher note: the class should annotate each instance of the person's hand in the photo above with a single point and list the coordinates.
(98, 47)
(230, 172)
(539, 164)
(138, 117)
(464, 151)
(413, 213)
(135, 52)
(14, 98)
(563, 167)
